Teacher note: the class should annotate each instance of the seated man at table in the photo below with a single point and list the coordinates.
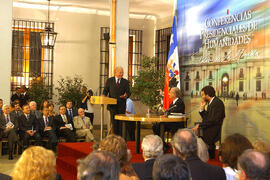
(177, 106)
(83, 126)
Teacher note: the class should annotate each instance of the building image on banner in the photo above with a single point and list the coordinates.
(227, 45)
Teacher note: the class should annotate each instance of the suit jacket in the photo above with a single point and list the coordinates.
(27, 124)
(115, 92)
(16, 115)
(212, 121)
(78, 122)
(180, 107)
(36, 113)
(15, 97)
(41, 124)
(144, 170)
(74, 112)
(203, 171)
(3, 122)
(59, 122)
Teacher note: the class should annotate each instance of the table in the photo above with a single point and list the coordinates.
(146, 118)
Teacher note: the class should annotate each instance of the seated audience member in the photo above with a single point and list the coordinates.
(35, 163)
(177, 106)
(44, 103)
(64, 125)
(47, 129)
(28, 128)
(17, 111)
(185, 146)
(202, 150)
(34, 111)
(117, 145)
(52, 113)
(262, 146)
(1, 106)
(99, 165)
(83, 126)
(170, 167)
(70, 111)
(16, 95)
(8, 127)
(253, 165)
(232, 147)
(152, 147)
(87, 105)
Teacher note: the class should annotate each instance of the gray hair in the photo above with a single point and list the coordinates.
(202, 150)
(32, 102)
(118, 67)
(177, 92)
(255, 164)
(152, 146)
(185, 143)
(5, 105)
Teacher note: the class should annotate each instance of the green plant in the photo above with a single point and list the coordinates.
(70, 89)
(38, 91)
(149, 83)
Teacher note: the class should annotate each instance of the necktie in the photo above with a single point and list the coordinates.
(7, 119)
(118, 82)
(70, 113)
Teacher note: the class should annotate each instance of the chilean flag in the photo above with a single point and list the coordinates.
(172, 77)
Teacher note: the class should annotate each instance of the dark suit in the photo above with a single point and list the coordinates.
(28, 124)
(24, 99)
(144, 170)
(15, 97)
(203, 171)
(115, 91)
(11, 133)
(66, 133)
(36, 113)
(5, 177)
(211, 125)
(51, 134)
(74, 113)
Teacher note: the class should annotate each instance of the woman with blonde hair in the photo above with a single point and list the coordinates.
(35, 162)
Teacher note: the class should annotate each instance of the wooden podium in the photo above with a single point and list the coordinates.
(102, 100)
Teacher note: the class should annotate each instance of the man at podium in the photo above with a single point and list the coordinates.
(117, 87)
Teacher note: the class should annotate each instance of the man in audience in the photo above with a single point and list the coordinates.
(185, 146)
(17, 110)
(47, 128)
(28, 128)
(64, 125)
(16, 95)
(70, 111)
(253, 165)
(130, 126)
(152, 147)
(34, 111)
(170, 167)
(99, 165)
(1, 105)
(8, 126)
(83, 126)
(212, 118)
(24, 96)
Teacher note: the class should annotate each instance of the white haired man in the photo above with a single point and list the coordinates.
(152, 147)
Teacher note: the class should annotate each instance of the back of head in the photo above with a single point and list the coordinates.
(254, 164)
(185, 143)
(177, 92)
(117, 146)
(99, 165)
(170, 167)
(232, 147)
(152, 146)
(35, 162)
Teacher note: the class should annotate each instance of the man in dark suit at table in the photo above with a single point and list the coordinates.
(28, 128)
(212, 118)
(64, 125)
(117, 87)
(152, 147)
(8, 127)
(47, 128)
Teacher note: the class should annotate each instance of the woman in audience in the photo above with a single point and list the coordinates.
(52, 113)
(44, 103)
(117, 145)
(232, 147)
(262, 146)
(36, 162)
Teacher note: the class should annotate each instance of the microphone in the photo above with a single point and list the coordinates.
(167, 110)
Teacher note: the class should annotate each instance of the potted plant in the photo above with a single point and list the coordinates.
(149, 84)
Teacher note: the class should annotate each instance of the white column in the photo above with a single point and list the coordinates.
(121, 32)
(5, 49)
